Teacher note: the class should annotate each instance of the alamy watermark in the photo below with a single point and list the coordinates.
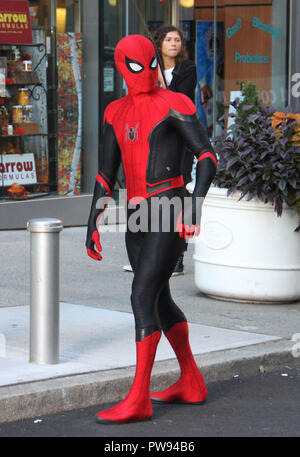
(156, 214)
(296, 347)
(296, 87)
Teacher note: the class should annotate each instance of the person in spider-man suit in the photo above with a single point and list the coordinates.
(146, 130)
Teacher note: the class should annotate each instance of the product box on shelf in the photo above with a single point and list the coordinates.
(16, 71)
(30, 128)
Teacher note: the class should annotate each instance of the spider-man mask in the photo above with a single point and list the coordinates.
(136, 61)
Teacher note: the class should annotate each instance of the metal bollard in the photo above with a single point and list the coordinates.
(44, 290)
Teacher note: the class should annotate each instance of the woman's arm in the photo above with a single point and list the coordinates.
(184, 79)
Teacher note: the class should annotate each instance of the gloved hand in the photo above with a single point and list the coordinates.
(188, 222)
(99, 203)
(94, 243)
(187, 231)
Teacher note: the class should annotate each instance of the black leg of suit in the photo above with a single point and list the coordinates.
(153, 256)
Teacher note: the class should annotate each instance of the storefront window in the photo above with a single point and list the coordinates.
(251, 45)
(72, 61)
(121, 18)
(68, 15)
(188, 25)
(69, 90)
(39, 12)
(114, 25)
(24, 148)
(41, 103)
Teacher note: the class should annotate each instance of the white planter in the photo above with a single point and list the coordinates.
(245, 252)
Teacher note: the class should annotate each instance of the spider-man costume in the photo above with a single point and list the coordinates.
(146, 130)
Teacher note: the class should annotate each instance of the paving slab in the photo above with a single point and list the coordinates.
(94, 339)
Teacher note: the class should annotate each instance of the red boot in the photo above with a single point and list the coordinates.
(137, 404)
(190, 387)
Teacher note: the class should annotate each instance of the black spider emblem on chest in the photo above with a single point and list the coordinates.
(132, 133)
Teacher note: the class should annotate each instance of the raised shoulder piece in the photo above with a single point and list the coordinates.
(183, 104)
(184, 117)
(177, 101)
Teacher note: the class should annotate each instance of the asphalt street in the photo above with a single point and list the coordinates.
(264, 405)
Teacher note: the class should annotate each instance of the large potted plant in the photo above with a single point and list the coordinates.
(249, 247)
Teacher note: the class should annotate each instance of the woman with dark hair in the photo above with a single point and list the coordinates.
(179, 76)
(180, 72)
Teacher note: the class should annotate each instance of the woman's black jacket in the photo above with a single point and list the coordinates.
(184, 79)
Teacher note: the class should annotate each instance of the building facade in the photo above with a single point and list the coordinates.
(231, 42)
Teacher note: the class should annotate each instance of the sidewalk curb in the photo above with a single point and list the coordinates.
(35, 399)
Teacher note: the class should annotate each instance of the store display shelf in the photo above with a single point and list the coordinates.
(23, 84)
(32, 45)
(23, 135)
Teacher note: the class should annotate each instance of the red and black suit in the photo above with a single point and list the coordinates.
(147, 130)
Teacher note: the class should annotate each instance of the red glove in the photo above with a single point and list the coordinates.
(95, 244)
(186, 231)
(102, 194)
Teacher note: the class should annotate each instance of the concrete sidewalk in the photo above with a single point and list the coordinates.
(97, 349)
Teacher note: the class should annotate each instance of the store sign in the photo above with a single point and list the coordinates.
(108, 74)
(15, 26)
(248, 58)
(17, 168)
(230, 31)
(266, 27)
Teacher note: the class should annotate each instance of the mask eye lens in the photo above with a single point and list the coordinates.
(134, 66)
(153, 64)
